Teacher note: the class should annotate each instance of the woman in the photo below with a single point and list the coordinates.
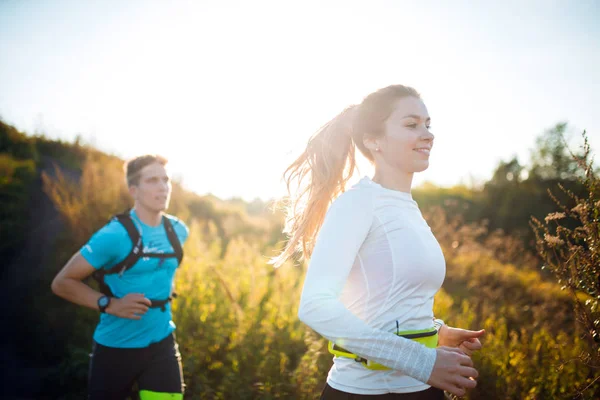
(374, 263)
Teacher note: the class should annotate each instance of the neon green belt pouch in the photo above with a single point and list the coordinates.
(427, 337)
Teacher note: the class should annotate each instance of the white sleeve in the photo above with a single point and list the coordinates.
(344, 229)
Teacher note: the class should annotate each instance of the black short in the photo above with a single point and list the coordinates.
(156, 368)
(432, 393)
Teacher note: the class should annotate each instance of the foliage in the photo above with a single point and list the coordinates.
(16, 177)
(236, 316)
(15, 143)
(573, 256)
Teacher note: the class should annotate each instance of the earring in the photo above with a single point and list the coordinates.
(377, 149)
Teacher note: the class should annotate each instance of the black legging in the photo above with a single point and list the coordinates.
(432, 393)
(156, 368)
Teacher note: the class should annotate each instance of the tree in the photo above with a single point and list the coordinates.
(551, 158)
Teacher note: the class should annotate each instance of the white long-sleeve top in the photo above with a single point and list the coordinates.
(375, 262)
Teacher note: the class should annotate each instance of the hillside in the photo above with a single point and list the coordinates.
(236, 316)
(36, 238)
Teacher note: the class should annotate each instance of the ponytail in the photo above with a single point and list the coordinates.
(314, 180)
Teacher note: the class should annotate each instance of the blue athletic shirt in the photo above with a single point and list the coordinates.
(152, 277)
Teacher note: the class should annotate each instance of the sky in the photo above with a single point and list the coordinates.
(231, 91)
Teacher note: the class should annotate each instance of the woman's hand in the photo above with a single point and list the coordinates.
(453, 371)
(465, 340)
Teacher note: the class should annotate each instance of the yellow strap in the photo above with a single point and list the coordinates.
(428, 341)
(150, 395)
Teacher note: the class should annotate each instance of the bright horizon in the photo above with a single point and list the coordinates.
(230, 91)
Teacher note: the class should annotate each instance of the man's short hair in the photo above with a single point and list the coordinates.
(135, 165)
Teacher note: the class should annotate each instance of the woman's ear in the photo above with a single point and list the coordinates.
(371, 143)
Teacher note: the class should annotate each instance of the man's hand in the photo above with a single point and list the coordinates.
(465, 340)
(132, 306)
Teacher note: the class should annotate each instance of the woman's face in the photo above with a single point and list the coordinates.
(407, 141)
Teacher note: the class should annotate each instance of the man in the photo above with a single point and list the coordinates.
(134, 258)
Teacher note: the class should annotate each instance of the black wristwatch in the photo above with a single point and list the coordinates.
(103, 302)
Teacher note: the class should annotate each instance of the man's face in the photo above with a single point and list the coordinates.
(153, 190)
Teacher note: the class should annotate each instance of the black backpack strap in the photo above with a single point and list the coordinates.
(136, 240)
(98, 276)
(129, 261)
(173, 239)
(137, 252)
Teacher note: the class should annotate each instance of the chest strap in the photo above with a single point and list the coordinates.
(162, 304)
(137, 252)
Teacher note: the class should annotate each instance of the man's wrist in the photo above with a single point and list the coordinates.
(103, 303)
